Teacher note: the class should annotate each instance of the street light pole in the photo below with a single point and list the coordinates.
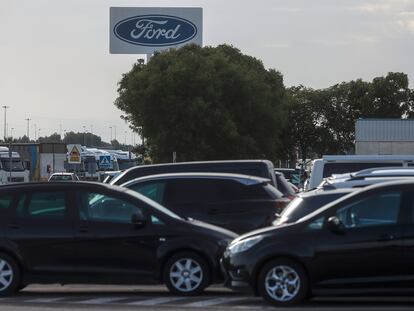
(5, 121)
(84, 131)
(111, 133)
(12, 132)
(28, 127)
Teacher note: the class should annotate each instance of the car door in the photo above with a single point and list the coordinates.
(367, 251)
(109, 244)
(408, 238)
(41, 226)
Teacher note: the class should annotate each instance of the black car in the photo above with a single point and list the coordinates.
(308, 202)
(259, 168)
(79, 232)
(361, 243)
(237, 202)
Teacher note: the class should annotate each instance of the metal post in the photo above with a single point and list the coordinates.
(111, 132)
(11, 162)
(5, 122)
(28, 127)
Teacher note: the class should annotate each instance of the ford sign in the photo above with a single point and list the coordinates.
(155, 30)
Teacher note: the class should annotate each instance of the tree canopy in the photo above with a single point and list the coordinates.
(204, 104)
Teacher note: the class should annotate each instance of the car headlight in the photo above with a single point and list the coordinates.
(244, 245)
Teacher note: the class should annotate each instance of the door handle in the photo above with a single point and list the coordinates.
(14, 226)
(386, 237)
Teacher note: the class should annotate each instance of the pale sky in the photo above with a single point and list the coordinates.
(55, 66)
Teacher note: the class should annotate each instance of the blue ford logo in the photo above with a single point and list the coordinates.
(155, 30)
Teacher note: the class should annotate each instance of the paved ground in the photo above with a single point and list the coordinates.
(81, 297)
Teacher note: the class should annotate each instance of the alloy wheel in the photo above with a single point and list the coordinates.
(282, 283)
(186, 275)
(6, 275)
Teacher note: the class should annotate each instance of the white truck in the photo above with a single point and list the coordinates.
(12, 169)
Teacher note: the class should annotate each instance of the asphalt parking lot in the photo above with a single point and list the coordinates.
(86, 297)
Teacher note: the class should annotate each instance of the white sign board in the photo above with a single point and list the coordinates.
(74, 154)
(145, 30)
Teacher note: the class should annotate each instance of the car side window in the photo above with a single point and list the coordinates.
(106, 208)
(191, 191)
(5, 201)
(375, 210)
(152, 190)
(50, 204)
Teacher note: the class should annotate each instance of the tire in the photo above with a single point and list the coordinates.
(9, 275)
(283, 282)
(186, 273)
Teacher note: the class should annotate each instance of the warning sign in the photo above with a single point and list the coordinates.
(74, 156)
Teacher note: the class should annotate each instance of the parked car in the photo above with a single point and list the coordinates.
(237, 202)
(339, 164)
(367, 177)
(308, 202)
(360, 243)
(259, 168)
(284, 187)
(63, 177)
(291, 174)
(80, 232)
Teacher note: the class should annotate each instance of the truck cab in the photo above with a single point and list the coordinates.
(12, 169)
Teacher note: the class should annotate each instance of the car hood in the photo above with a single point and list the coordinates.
(266, 231)
(212, 228)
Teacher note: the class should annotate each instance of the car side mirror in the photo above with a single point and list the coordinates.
(138, 220)
(335, 225)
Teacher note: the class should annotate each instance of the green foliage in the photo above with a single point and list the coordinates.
(86, 139)
(204, 104)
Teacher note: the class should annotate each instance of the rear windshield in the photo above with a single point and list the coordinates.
(340, 168)
(61, 177)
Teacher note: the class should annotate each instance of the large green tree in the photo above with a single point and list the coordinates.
(204, 104)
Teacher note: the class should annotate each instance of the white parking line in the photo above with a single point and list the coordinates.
(45, 300)
(98, 301)
(155, 301)
(214, 301)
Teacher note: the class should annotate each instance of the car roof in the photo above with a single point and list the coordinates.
(243, 179)
(384, 172)
(62, 173)
(70, 183)
(326, 192)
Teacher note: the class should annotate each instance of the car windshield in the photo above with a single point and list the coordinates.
(16, 165)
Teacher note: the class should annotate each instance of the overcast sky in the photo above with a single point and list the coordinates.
(55, 66)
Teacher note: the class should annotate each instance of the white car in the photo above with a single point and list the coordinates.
(63, 177)
(367, 177)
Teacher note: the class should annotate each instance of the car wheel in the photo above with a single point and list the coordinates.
(186, 274)
(9, 275)
(283, 282)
